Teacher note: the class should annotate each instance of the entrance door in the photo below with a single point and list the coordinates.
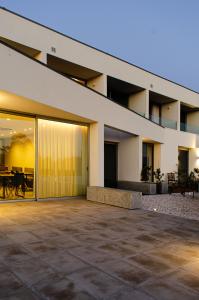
(183, 162)
(110, 165)
(148, 157)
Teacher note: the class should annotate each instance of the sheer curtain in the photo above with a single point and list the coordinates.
(62, 159)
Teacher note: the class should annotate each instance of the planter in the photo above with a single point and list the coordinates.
(197, 187)
(147, 188)
(162, 187)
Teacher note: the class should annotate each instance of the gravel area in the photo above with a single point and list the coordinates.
(175, 204)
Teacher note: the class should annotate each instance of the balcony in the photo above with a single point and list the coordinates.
(163, 122)
(189, 128)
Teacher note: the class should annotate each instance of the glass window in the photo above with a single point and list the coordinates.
(17, 157)
(62, 150)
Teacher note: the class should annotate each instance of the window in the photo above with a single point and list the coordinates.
(62, 159)
(17, 157)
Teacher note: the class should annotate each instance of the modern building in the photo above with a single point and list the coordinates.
(72, 116)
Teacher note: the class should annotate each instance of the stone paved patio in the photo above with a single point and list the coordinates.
(83, 250)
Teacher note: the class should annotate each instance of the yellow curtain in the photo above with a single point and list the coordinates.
(62, 155)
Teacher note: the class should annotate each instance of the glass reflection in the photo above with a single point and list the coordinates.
(17, 157)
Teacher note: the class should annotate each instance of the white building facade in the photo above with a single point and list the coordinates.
(72, 116)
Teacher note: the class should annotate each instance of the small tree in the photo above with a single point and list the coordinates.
(158, 175)
(196, 171)
(146, 173)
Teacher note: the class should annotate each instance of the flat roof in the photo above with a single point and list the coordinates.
(56, 31)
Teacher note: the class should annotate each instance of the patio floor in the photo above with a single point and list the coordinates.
(75, 249)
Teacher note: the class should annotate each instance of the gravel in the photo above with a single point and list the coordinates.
(175, 204)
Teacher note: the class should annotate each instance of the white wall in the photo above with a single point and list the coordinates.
(157, 156)
(169, 153)
(193, 121)
(99, 84)
(130, 159)
(193, 159)
(139, 102)
(37, 82)
(33, 35)
(96, 155)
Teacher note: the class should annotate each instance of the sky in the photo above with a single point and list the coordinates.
(161, 36)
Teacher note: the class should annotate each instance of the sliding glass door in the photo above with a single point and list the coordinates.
(17, 157)
(62, 159)
(56, 152)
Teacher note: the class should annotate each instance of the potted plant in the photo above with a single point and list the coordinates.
(196, 172)
(145, 173)
(162, 186)
(147, 187)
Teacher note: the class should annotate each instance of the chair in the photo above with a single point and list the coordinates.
(29, 175)
(3, 168)
(19, 184)
(8, 188)
(171, 178)
(17, 169)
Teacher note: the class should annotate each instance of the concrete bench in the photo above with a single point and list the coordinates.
(115, 197)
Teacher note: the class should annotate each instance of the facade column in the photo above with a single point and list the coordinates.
(130, 159)
(96, 155)
(178, 115)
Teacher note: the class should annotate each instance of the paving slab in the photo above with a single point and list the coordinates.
(76, 249)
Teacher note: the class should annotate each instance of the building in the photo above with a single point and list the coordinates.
(73, 116)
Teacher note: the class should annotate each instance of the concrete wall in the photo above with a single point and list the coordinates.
(33, 35)
(96, 155)
(193, 159)
(130, 159)
(157, 156)
(139, 102)
(169, 153)
(193, 121)
(99, 84)
(44, 88)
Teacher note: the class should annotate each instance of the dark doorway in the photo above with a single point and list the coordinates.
(110, 165)
(183, 120)
(183, 162)
(148, 157)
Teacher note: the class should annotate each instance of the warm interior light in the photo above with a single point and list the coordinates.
(8, 119)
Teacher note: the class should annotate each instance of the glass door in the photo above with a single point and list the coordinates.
(17, 157)
(62, 159)
(148, 157)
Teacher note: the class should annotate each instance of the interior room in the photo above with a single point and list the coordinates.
(17, 157)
